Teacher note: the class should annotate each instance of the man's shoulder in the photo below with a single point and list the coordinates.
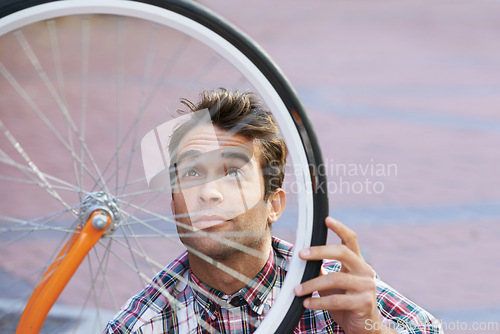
(282, 248)
(153, 301)
(283, 251)
(170, 281)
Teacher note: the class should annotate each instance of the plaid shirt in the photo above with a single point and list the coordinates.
(177, 302)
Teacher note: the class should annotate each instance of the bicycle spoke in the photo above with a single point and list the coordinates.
(48, 84)
(28, 171)
(176, 306)
(101, 272)
(143, 105)
(56, 55)
(148, 66)
(38, 224)
(132, 234)
(91, 293)
(140, 251)
(135, 143)
(6, 74)
(31, 182)
(85, 32)
(213, 236)
(215, 263)
(45, 183)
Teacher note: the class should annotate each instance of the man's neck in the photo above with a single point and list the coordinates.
(232, 274)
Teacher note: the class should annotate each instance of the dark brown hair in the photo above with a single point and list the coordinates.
(244, 114)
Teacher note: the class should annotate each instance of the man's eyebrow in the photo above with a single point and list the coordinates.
(231, 154)
(236, 154)
(187, 155)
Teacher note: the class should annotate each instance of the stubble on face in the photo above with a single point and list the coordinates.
(251, 227)
(231, 238)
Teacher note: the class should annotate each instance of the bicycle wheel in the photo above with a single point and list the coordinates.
(82, 82)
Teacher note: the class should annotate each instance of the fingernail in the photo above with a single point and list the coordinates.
(305, 252)
(306, 303)
(332, 221)
(298, 289)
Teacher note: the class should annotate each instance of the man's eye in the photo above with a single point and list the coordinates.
(190, 173)
(234, 172)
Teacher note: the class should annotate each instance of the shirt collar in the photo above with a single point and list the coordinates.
(208, 298)
(254, 294)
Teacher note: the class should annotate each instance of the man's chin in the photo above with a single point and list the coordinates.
(214, 249)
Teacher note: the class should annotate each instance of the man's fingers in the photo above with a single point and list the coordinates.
(344, 302)
(335, 281)
(350, 261)
(348, 236)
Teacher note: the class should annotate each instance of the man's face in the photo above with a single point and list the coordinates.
(219, 188)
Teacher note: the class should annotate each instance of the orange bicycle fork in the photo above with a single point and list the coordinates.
(101, 218)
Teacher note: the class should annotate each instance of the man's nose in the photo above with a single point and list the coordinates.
(210, 193)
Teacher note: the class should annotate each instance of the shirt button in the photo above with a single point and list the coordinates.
(237, 301)
(257, 302)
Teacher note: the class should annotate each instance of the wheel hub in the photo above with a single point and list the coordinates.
(100, 201)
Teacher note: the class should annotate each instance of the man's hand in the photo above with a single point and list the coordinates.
(349, 295)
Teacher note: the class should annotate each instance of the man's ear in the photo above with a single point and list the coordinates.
(277, 201)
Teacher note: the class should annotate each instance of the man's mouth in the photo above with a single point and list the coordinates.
(205, 222)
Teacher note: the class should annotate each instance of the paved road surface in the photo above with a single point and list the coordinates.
(405, 97)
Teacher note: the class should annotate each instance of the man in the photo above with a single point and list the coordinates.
(226, 171)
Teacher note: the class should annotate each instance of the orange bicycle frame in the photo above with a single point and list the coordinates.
(60, 272)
